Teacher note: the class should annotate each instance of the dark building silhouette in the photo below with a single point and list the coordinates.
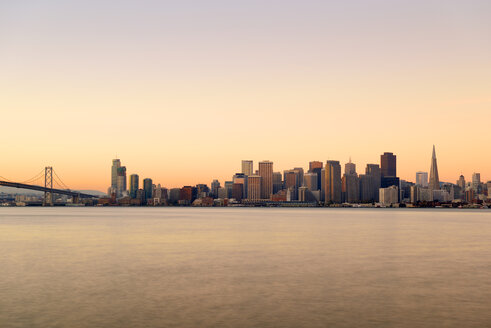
(388, 165)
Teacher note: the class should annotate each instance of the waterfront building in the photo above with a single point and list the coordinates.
(202, 190)
(266, 173)
(254, 187)
(247, 167)
(434, 183)
(140, 197)
(223, 193)
(425, 195)
(422, 179)
(332, 182)
(187, 195)
(389, 196)
(440, 195)
(303, 194)
(388, 166)
(134, 185)
(160, 195)
(405, 190)
(174, 194)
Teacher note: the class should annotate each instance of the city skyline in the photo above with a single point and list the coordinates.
(101, 185)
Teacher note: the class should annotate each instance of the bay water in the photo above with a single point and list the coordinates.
(244, 267)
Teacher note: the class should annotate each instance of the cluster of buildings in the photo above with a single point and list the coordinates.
(323, 184)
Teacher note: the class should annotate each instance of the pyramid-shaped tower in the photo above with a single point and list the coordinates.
(434, 180)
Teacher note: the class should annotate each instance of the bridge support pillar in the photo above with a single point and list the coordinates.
(48, 183)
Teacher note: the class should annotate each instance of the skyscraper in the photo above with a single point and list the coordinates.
(215, 185)
(350, 183)
(476, 182)
(350, 168)
(332, 182)
(114, 173)
(134, 181)
(254, 187)
(121, 181)
(388, 165)
(291, 183)
(374, 174)
(247, 167)
(461, 183)
(277, 182)
(242, 179)
(434, 183)
(316, 167)
(147, 187)
(422, 179)
(310, 181)
(266, 173)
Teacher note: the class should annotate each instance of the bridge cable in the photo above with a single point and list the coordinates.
(35, 178)
(62, 183)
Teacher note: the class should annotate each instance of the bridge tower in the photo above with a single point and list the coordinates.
(48, 183)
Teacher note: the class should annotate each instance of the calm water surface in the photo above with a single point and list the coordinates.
(189, 267)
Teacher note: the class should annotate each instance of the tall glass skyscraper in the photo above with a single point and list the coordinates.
(134, 181)
(147, 187)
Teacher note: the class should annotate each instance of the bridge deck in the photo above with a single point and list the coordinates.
(39, 188)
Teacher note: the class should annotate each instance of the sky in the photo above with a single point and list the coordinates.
(182, 91)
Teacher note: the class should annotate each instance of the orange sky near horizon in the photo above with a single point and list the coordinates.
(182, 92)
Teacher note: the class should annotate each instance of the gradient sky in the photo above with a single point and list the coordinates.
(181, 91)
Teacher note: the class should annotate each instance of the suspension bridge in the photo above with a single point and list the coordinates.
(53, 184)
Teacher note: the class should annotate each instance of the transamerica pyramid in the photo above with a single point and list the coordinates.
(434, 180)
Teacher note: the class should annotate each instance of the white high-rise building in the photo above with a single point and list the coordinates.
(422, 179)
(476, 181)
(389, 195)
